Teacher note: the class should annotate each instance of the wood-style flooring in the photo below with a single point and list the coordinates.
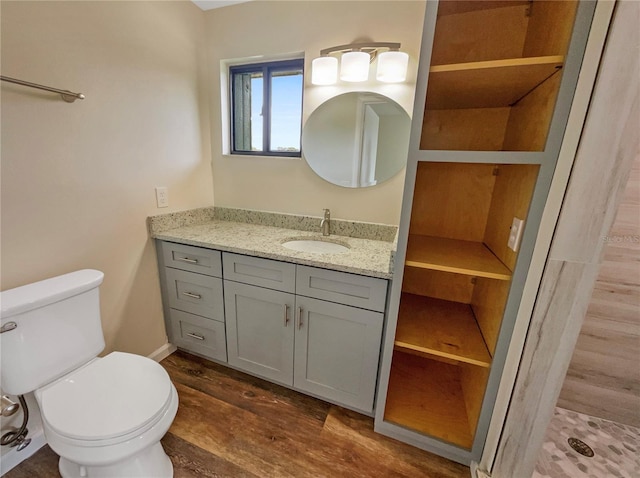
(230, 424)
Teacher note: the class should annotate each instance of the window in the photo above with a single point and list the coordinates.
(266, 108)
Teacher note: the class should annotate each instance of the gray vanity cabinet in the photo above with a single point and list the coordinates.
(316, 330)
(260, 331)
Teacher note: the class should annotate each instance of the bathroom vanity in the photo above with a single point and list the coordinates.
(234, 294)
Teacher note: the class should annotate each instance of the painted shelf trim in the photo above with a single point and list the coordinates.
(440, 328)
(454, 255)
(488, 84)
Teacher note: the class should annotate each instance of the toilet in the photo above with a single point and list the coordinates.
(104, 416)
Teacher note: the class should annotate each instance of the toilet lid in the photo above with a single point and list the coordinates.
(107, 398)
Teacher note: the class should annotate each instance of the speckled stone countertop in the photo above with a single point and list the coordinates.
(261, 234)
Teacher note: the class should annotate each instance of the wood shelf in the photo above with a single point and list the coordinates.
(427, 396)
(453, 255)
(460, 6)
(440, 328)
(487, 84)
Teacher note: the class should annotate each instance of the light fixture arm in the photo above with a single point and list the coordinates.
(360, 47)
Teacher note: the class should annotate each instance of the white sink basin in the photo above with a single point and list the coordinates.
(317, 246)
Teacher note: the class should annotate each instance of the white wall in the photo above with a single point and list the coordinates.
(262, 29)
(78, 179)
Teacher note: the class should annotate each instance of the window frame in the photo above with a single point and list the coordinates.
(267, 68)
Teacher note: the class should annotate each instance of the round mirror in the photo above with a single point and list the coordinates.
(357, 139)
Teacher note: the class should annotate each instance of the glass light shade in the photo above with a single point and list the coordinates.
(392, 66)
(324, 70)
(354, 66)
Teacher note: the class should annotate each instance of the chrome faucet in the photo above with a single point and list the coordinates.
(325, 224)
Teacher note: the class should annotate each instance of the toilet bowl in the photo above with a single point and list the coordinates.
(108, 415)
(103, 416)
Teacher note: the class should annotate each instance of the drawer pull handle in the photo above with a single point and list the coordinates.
(186, 259)
(195, 336)
(286, 315)
(192, 295)
(299, 318)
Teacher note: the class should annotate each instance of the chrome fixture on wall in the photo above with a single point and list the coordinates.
(354, 63)
(66, 95)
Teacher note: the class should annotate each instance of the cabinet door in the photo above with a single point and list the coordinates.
(337, 348)
(260, 331)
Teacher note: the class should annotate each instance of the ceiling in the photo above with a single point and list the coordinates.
(211, 4)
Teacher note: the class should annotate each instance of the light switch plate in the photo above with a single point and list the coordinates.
(515, 234)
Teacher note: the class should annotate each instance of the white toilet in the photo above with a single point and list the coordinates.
(103, 416)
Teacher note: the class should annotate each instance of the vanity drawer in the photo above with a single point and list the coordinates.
(342, 287)
(190, 258)
(197, 334)
(261, 272)
(195, 293)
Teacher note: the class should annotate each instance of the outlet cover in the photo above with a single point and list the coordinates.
(515, 234)
(162, 196)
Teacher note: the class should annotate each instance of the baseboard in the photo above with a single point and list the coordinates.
(162, 352)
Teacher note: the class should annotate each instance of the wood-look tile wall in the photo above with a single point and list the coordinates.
(603, 379)
(607, 151)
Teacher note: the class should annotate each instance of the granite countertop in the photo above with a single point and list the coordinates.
(261, 234)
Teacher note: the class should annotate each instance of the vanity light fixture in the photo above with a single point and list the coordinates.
(354, 63)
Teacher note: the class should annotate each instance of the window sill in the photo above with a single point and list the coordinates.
(257, 156)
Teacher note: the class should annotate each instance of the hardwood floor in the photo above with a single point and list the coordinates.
(230, 424)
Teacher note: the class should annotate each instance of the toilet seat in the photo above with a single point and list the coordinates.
(107, 401)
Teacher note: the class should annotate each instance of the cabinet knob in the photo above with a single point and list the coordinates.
(192, 295)
(286, 315)
(299, 318)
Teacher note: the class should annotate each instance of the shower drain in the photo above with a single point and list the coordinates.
(581, 447)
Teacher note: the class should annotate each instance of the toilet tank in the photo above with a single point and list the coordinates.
(57, 329)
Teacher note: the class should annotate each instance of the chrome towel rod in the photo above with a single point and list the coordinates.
(68, 96)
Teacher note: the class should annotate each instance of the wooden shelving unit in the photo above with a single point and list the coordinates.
(492, 85)
(440, 328)
(454, 255)
(455, 286)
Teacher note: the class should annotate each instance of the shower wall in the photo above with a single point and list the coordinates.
(603, 379)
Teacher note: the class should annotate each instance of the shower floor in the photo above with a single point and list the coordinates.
(616, 448)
